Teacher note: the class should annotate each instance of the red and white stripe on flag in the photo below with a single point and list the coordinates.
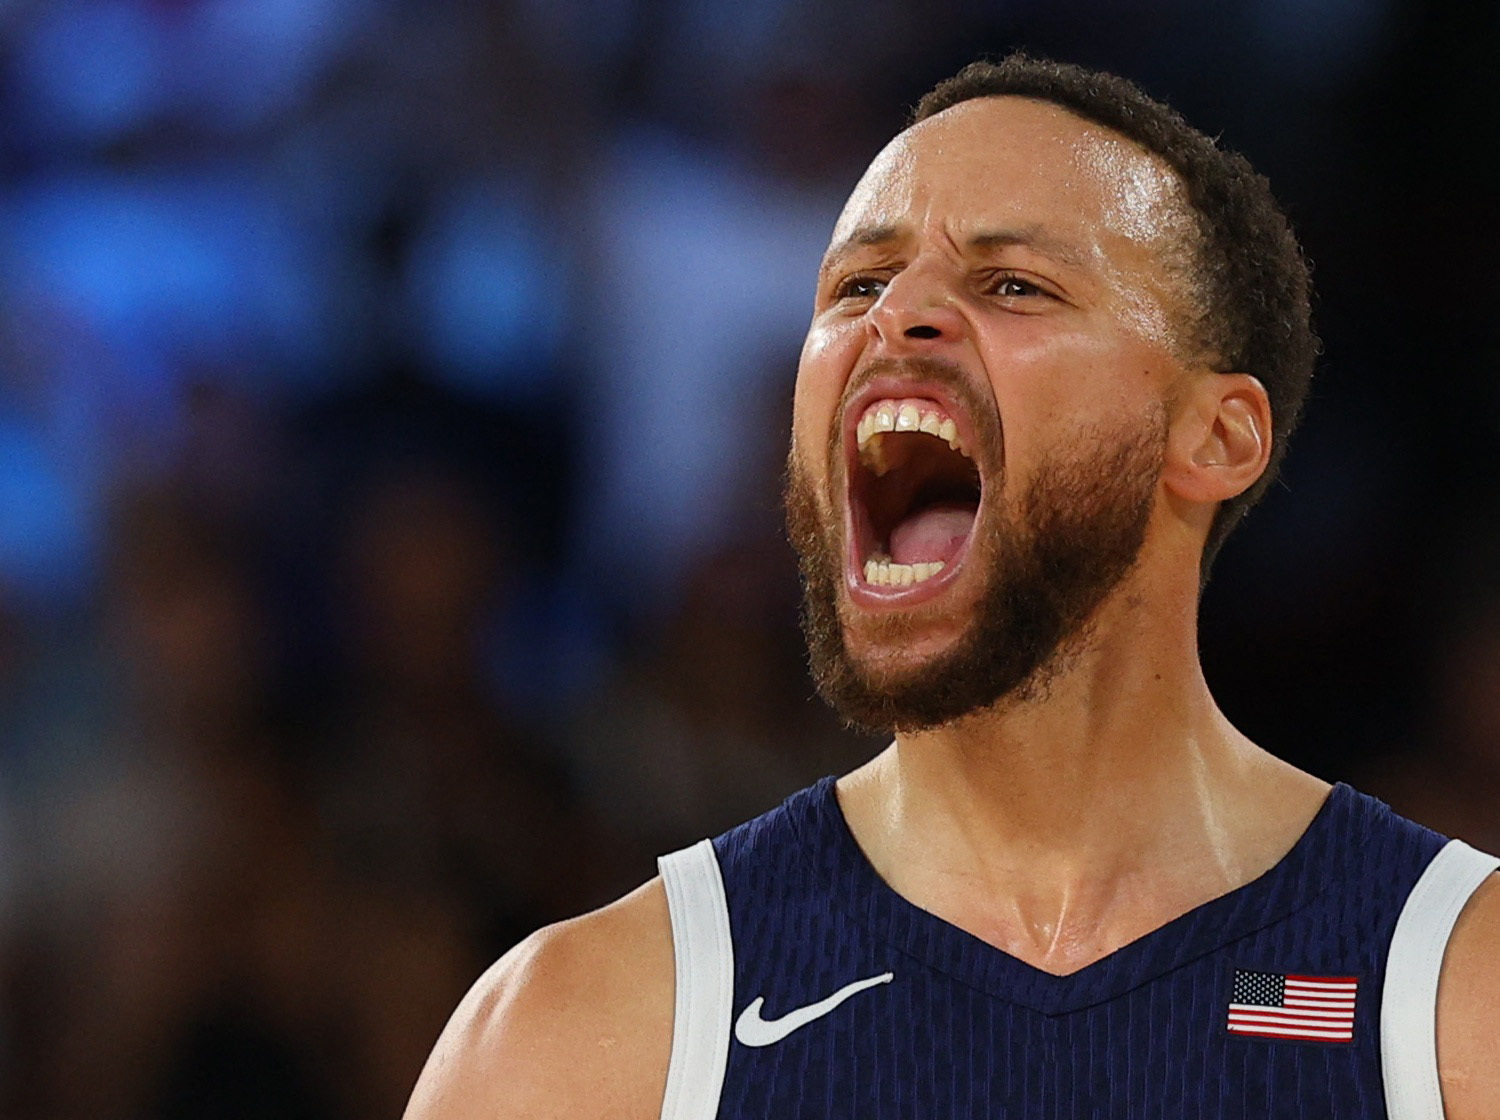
(1281, 1005)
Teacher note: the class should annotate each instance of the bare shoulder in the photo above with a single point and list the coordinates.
(1468, 994)
(574, 1021)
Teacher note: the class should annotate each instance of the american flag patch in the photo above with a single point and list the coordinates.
(1276, 1005)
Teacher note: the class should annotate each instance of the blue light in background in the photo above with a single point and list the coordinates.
(90, 70)
(487, 292)
(46, 531)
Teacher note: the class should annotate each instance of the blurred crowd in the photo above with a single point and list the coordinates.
(392, 404)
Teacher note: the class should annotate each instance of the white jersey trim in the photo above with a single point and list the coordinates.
(704, 955)
(1408, 1014)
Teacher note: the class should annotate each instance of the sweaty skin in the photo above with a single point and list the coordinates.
(1041, 256)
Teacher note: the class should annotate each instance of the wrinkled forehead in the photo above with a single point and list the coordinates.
(1003, 162)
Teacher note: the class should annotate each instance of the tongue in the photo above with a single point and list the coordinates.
(935, 532)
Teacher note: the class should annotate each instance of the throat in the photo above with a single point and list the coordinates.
(932, 533)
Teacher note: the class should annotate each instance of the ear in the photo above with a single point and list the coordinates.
(1219, 441)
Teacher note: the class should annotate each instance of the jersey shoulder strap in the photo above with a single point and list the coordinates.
(704, 955)
(1408, 1014)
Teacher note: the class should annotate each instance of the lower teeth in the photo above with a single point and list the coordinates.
(886, 573)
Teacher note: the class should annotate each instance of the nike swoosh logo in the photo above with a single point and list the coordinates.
(752, 1030)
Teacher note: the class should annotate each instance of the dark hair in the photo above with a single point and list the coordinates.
(1249, 278)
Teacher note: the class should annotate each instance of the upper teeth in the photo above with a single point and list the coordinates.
(903, 416)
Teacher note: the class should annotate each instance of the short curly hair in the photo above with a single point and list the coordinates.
(1250, 282)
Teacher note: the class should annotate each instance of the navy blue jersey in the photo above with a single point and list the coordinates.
(849, 1001)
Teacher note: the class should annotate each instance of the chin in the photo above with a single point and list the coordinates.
(893, 647)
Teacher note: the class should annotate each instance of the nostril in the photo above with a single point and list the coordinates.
(922, 332)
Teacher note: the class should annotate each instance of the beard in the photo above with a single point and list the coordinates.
(1048, 564)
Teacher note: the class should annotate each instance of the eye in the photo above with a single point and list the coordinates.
(859, 286)
(1011, 286)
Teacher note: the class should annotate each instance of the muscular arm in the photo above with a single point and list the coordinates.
(1468, 1015)
(575, 1021)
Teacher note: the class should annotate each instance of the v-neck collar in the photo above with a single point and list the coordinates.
(1291, 884)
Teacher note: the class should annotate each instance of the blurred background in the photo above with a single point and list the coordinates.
(392, 401)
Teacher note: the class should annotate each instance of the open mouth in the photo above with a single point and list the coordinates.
(914, 493)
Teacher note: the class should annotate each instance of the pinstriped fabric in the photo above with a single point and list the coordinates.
(965, 1030)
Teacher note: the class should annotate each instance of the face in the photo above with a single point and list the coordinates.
(981, 407)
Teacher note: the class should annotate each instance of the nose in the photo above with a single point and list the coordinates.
(918, 307)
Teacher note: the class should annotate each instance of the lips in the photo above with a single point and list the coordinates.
(913, 490)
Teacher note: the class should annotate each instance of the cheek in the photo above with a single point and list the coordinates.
(1055, 389)
(828, 358)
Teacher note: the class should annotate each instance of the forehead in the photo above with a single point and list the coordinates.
(1014, 163)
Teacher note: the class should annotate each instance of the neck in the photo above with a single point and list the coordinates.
(1062, 826)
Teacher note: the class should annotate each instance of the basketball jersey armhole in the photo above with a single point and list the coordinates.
(704, 954)
(1408, 1015)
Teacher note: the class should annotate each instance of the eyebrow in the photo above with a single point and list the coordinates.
(860, 239)
(1029, 237)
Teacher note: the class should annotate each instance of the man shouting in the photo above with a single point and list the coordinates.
(1058, 343)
